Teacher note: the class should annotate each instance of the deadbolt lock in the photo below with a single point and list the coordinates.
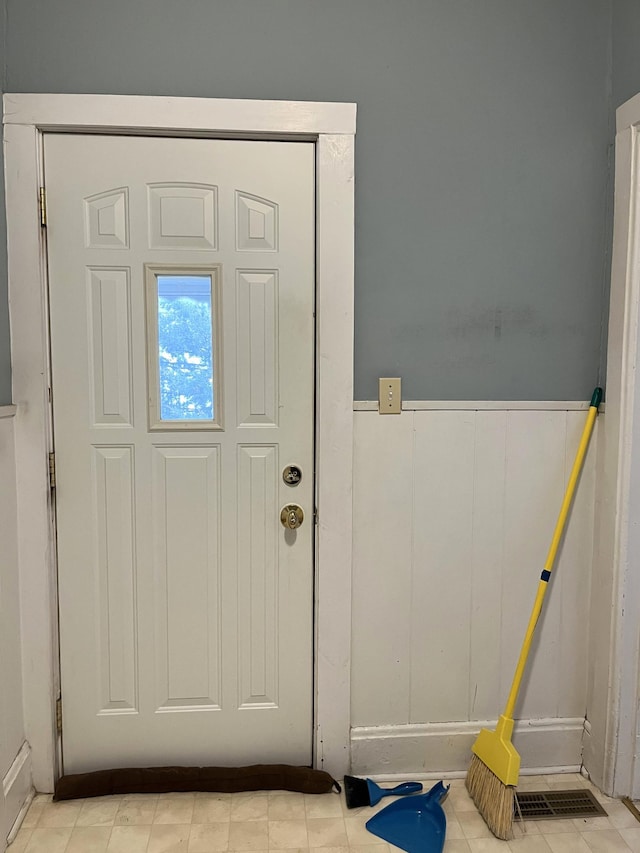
(291, 516)
(292, 475)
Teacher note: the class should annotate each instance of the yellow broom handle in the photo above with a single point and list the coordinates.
(553, 550)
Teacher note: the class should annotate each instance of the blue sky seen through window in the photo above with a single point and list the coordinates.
(185, 347)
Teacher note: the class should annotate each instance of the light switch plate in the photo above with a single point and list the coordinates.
(390, 396)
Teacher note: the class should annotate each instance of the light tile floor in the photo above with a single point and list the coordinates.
(280, 822)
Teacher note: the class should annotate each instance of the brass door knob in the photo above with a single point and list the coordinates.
(291, 516)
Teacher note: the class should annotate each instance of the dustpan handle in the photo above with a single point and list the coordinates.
(404, 788)
(596, 399)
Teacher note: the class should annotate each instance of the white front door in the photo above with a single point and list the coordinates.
(182, 339)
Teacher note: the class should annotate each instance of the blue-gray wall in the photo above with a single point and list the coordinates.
(481, 183)
(626, 50)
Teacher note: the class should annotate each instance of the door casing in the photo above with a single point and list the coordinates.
(331, 127)
(612, 745)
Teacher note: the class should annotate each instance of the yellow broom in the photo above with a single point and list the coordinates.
(495, 764)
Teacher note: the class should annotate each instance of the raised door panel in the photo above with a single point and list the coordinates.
(111, 386)
(183, 216)
(106, 217)
(256, 224)
(257, 347)
(258, 616)
(116, 580)
(186, 489)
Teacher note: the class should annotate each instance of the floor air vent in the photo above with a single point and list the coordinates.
(542, 805)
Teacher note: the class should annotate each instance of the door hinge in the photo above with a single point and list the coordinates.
(43, 207)
(52, 470)
(59, 714)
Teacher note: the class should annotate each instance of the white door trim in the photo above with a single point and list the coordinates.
(612, 753)
(332, 127)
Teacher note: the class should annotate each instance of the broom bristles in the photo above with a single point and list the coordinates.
(494, 800)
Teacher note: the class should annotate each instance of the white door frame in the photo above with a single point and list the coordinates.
(332, 127)
(612, 748)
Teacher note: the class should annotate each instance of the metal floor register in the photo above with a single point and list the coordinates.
(541, 805)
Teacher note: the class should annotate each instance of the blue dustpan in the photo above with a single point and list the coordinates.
(416, 824)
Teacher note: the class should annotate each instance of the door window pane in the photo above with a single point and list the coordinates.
(185, 347)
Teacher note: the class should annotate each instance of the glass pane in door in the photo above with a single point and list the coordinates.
(185, 347)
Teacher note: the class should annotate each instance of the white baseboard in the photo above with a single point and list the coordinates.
(16, 792)
(545, 746)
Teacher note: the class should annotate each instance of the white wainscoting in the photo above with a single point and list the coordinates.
(15, 759)
(453, 515)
